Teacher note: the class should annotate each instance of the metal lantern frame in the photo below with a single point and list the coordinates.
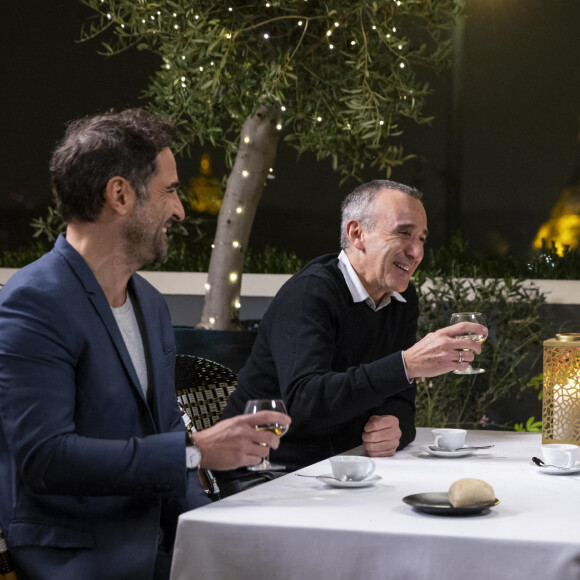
(561, 390)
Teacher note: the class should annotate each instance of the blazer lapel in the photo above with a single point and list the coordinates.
(99, 301)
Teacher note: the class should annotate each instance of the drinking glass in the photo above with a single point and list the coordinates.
(477, 317)
(255, 405)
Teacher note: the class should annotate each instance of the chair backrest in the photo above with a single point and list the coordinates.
(203, 387)
(6, 566)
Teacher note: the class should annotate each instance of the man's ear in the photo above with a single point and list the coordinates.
(355, 234)
(119, 195)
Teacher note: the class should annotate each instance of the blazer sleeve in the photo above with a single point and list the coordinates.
(69, 434)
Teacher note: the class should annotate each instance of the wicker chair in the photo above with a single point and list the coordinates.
(6, 566)
(203, 387)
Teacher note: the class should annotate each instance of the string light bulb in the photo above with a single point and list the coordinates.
(233, 277)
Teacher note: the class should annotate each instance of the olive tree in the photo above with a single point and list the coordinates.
(336, 78)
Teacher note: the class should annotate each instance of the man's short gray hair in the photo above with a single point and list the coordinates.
(359, 204)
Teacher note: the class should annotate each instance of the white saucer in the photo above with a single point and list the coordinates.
(446, 453)
(362, 483)
(556, 471)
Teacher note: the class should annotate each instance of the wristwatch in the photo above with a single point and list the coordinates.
(192, 452)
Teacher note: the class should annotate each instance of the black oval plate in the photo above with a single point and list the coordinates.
(438, 503)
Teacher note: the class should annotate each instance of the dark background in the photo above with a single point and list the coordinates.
(518, 142)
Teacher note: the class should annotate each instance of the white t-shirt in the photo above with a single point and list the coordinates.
(129, 327)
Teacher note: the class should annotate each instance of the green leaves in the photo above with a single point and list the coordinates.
(531, 425)
(457, 259)
(512, 309)
(345, 72)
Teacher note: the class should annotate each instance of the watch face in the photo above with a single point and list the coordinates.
(193, 457)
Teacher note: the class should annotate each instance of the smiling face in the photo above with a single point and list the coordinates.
(145, 233)
(386, 257)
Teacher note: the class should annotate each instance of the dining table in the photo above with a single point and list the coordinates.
(305, 528)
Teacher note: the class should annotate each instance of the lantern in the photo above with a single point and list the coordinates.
(561, 402)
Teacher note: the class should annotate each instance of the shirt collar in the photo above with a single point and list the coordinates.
(357, 290)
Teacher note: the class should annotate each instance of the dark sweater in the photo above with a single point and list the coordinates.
(335, 363)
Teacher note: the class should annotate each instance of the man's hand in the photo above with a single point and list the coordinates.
(381, 436)
(235, 442)
(437, 353)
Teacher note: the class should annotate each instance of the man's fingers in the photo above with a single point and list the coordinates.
(380, 422)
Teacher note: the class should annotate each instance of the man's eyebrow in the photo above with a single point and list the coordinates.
(174, 185)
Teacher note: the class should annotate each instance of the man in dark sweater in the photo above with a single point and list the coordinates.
(338, 342)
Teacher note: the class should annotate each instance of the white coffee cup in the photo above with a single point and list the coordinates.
(449, 439)
(352, 467)
(560, 454)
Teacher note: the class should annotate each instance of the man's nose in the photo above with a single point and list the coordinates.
(415, 249)
(178, 211)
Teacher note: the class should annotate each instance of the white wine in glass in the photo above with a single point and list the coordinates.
(255, 405)
(477, 317)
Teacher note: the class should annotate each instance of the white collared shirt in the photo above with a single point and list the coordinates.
(359, 293)
(357, 290)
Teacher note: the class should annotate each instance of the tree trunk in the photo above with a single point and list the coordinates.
(254, 159)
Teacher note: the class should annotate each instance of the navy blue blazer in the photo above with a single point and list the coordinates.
(86, 465)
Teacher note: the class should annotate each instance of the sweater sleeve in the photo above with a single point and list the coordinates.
(304, 329)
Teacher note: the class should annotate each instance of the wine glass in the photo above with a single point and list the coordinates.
(255, 405)
(457, 317)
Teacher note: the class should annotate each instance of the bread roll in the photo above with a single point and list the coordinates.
(469, 492)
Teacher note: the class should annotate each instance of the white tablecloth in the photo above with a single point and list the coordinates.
(301, 529)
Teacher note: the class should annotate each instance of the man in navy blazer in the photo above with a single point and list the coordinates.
(95, 465)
